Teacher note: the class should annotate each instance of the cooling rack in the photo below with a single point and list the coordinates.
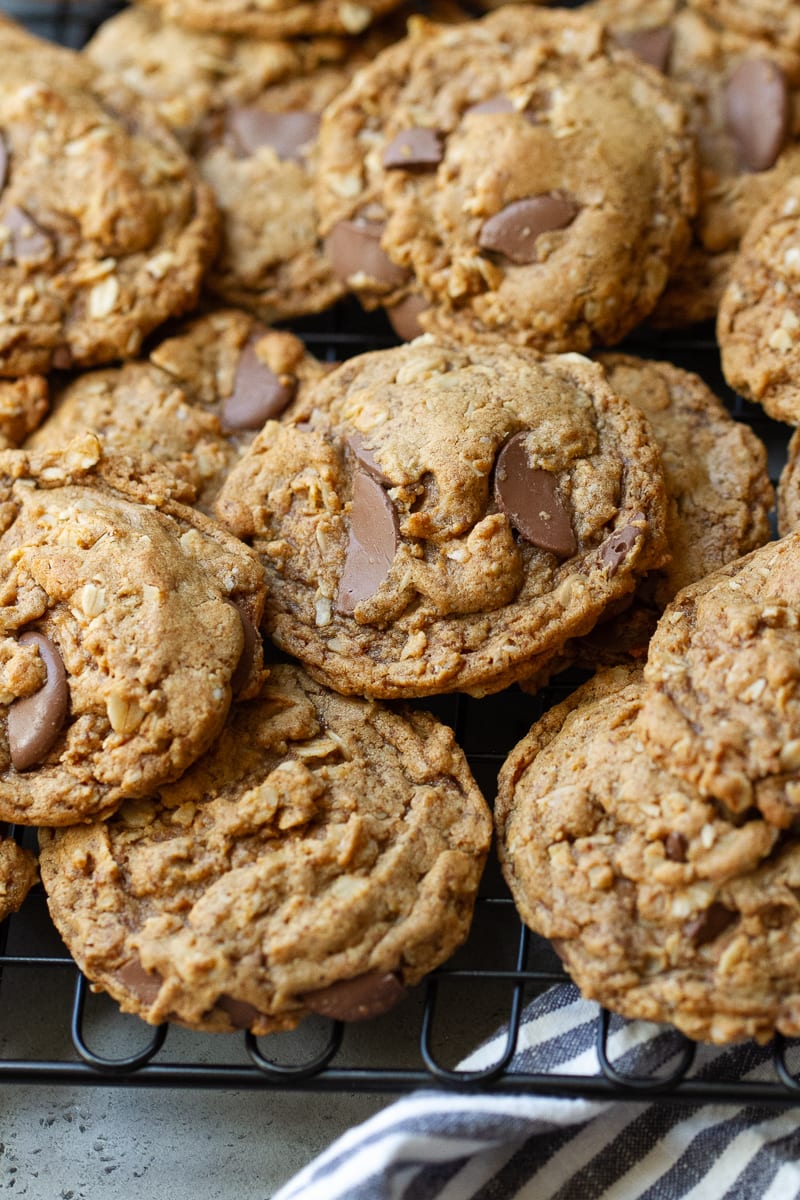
(54, 1030)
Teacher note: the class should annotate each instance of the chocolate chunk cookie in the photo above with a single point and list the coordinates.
(442, 518)
(661, 907)
(760, 311)
(723, 708)
(248, 111)
(18, 873)
(105, 226)
(194, 404)
(274, 18)
(533, 182)
(129, 621)
(789, 489)
(743, 101)
(322, 857)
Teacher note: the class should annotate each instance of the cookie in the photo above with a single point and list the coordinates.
(105, 226)
(322, 857)
(760, 311)
(789, 489)
(194, 404)
(723, 706)
(128, 624)
(247, 110)
(776, 20)
(661, 907)
(24, 404)
(18, 873)
(534, 183)
(442, 517)
(719, 500)
(274, 18)
(743, 101)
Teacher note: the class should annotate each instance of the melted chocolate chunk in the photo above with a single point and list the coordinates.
(3, 162)
(145, 985)
(258, 394)
(652, 46)
(374, 538)
(616, 548)
(354, 248)
(241, 1013)
(404, 317)
(710, 923)
(675, 846)
(250, 646)
(757, 107)
(367, 460)
(30, 243)
(495, 104)
(530, 499)
(416, 149)
(513, 231)
(289, 134)
(34, 722)
(357, 999)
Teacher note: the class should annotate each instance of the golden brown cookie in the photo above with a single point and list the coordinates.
(533, 182)
(274, 18)
(743, 101)
(194, 404)
(443, 518)
(105, 226)
(661, 907)
(776, 20)
(789, 489)
(322, 857)
(129, 621)
(18, 873)
(723, 706)
(760, 311)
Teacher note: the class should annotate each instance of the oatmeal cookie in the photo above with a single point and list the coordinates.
(322, 857)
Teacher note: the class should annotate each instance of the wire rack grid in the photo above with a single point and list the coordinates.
(53, 1029)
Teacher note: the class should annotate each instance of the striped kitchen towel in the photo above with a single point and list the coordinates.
(436, 1145)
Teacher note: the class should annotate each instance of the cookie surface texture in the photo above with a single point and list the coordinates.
(194, 404)
(723, 709)
(18, 873)
(322, 857)
(127, 615)
(106, 226)
(274, 18)
(442, 515)
(542, 141)
(661, 908)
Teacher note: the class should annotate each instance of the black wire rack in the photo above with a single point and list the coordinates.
(54, 1030)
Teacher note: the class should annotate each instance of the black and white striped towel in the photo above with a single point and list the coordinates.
(435, 1145)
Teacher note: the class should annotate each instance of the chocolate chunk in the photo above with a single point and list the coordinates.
(675, 846)
(145, 985)
(416, 149)
(616, 548)
(3, 162)
(496, 104)
(289, 134)
(357, 999)
(529, 498)
(34, 722)
(710, 923)
(404, 317)
(62, 358)
(258, 394)
(354, 248)
(29, 242)
(513, 231)
(374, 538)
(242, 1014)
(652, 46)
(367, 459)
(757, 108)
(249, 647)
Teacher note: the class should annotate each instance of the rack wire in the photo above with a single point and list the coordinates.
(54, 1030)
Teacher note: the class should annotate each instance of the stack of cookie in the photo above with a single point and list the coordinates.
(234, 845)
(649, 823)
